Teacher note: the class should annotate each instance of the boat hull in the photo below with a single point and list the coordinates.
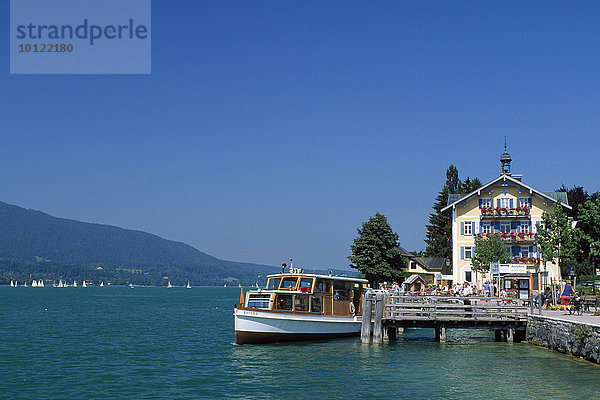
(256, 326)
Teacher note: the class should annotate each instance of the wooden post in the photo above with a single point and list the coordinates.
(378, 318)
(497, 335)
(510, 335)
(391, 332)
(443, 334)
(365, 330)
(437, 333)
(531, 302)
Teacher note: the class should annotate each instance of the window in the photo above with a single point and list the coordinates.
(505, 227)
(505, 202)
(413, 265)
(316, 304)
(468, 253)
(468, 276)
(468, 228)
(341, 290)
(289, 282)
(301, 302)
(322, 286)
(525, 251)
(283, 302)
(524, 228)
(486, 202)
(486, 227)
(259, 301)
(273, 283)
(306, 284)
(523, 201)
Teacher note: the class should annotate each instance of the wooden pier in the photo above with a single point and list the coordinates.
(388, 313)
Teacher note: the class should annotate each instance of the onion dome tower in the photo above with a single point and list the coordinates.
(505, 160)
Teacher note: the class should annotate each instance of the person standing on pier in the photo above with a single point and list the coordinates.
(565, 297)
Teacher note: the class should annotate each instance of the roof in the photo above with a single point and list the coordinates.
(413, 278)
(432, 263)
(338, 278)
(429, 263)
(504, 177)
(454, 197)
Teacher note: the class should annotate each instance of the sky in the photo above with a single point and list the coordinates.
(272, 130)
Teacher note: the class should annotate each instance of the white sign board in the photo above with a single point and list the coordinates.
(512, 269)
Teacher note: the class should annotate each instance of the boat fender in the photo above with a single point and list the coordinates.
(352, 308)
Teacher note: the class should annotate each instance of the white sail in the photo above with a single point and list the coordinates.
(12, 284)
(169, 285)
(74, 283)
(84, 284)
(25, 284)
(101, 283)
(34, 283)
(41, 283)
(188, 285)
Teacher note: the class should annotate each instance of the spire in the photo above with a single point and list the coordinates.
(505, 160)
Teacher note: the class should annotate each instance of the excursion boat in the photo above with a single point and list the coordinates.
(297, 306)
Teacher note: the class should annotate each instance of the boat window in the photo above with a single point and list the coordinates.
(258, 301)
(301, 302)
(341, 290)
(273, 283)
(289, 282)
(283, 302)
(323, 286)
(306, 284)
(316, 304)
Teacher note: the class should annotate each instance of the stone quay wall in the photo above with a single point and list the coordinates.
(573, 338)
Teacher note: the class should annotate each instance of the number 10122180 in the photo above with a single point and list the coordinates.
(45, 48)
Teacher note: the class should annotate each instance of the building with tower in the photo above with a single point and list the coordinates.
(511, 209)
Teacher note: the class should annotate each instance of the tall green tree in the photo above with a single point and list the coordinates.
(374, 251)
(439, 229)
(556, 238)
(488, 251)
(588, 225)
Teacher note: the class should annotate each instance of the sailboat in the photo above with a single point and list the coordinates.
(225, 285)
(84, 284)
(12, 284)
(188, 285)
(34, 283)
(25, 284)
(41, 283)
(101, 283)
(74, 283)
(169, 285)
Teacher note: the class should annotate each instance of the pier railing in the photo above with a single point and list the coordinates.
(453, 309)
(386, 312)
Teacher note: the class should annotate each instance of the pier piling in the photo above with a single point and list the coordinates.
(365, 330)
(377, 331)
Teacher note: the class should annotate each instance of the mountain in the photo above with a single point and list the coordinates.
(32, 241)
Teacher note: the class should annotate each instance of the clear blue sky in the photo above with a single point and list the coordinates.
(269, 130)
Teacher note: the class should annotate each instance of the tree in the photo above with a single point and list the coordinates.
(556, 238)
(439, 229)
(588, 225)
(374, 251)
(488, 251)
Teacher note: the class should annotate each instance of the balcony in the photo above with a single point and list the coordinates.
(523, 260)
(505, 212)
(509, 237)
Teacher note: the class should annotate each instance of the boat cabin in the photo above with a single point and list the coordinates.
(308, 293)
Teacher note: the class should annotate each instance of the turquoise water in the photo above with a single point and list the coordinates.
(158, 343)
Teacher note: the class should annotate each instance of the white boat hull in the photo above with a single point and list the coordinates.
(256, 326)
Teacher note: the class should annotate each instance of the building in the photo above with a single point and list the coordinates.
(510, 208)
(431, 268)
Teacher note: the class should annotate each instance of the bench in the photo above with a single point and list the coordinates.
(588, 301)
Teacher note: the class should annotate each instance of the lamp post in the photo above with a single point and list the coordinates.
(592, 254)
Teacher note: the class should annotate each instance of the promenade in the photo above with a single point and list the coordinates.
(586, 318)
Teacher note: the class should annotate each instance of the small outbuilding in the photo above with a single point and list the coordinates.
(414, 283)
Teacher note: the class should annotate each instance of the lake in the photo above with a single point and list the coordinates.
(159, 343)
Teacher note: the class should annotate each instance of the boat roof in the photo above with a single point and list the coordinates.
(334, 277)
